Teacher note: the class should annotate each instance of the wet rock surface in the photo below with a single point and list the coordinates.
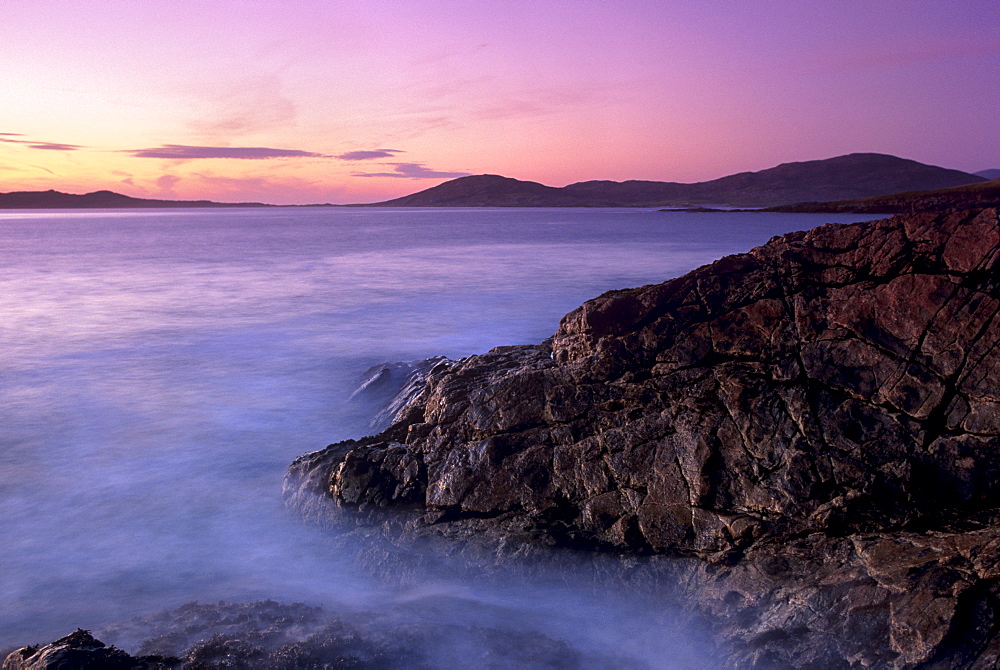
(82, 651)
(389, 387)
(810, 430)
(267, 635)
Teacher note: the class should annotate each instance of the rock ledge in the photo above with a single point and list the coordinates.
(818, 419)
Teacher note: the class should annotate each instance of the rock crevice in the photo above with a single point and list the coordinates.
(818, 419)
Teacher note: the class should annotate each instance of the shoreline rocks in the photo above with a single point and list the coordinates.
(390, 387)
(816, 420)
(266, 635)
(82, 651)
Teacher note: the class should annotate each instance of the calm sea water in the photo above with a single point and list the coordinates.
(160, 369)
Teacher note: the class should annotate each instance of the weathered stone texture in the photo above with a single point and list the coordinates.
(81, 651)
(818, 419)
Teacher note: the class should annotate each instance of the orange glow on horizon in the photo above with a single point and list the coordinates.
(330, 95)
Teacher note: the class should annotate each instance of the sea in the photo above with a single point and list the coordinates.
(159, 369)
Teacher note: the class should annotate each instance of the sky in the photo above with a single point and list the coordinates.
(363, 100)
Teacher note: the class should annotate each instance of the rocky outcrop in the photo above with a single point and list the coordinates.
(387, 388)
(817, 421)
(81, 651)
(267, 635)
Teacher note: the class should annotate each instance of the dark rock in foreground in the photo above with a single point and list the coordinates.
(818, 420)
(390, 387)
(267, 635)
(81, 651)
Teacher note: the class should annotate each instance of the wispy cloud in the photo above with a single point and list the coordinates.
(414, 125)
(412, 171)
(166, 184)
(127, 178)
(187, 152)
(264, 188)
(22, 165)
(250, 104)
(35, 144)
(367, 155)
(53, 146)
(451, 54)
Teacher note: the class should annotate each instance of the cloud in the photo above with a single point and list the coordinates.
(249, 104)
(54, 146)
(453, 54)
(167, 181)
(412, 171)
(23, 165)
(418, 124)
(34, 144)
(366, 155)
(166, 184)
(185, 152)
(518, 108)
(265, 188)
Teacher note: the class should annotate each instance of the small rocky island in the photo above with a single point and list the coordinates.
(808, 434)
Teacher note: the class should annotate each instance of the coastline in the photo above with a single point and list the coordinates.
(684, 419)
(763, 559)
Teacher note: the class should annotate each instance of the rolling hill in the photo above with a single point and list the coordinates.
(820, 183)
(100, 200)
(852, 176)
(968, 196)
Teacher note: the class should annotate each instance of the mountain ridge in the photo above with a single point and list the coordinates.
(852, 176)
(841, 178)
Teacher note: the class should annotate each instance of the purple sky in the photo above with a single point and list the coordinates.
(317, 101)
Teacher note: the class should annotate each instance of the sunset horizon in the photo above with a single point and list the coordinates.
(317, 103)
(532, 335)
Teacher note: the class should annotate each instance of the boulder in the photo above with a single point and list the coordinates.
(81, 651)
(816, 421)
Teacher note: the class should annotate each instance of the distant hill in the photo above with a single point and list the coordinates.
(489, 190)
(100, 200)
(988, 174)
(817, 183)
(969, 196)
(841, 178)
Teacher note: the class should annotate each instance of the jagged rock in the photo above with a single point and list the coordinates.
(81, 651)
(817, 419)
(266, 635)
(389, 387)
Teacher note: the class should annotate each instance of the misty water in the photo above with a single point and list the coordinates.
(161, 368)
